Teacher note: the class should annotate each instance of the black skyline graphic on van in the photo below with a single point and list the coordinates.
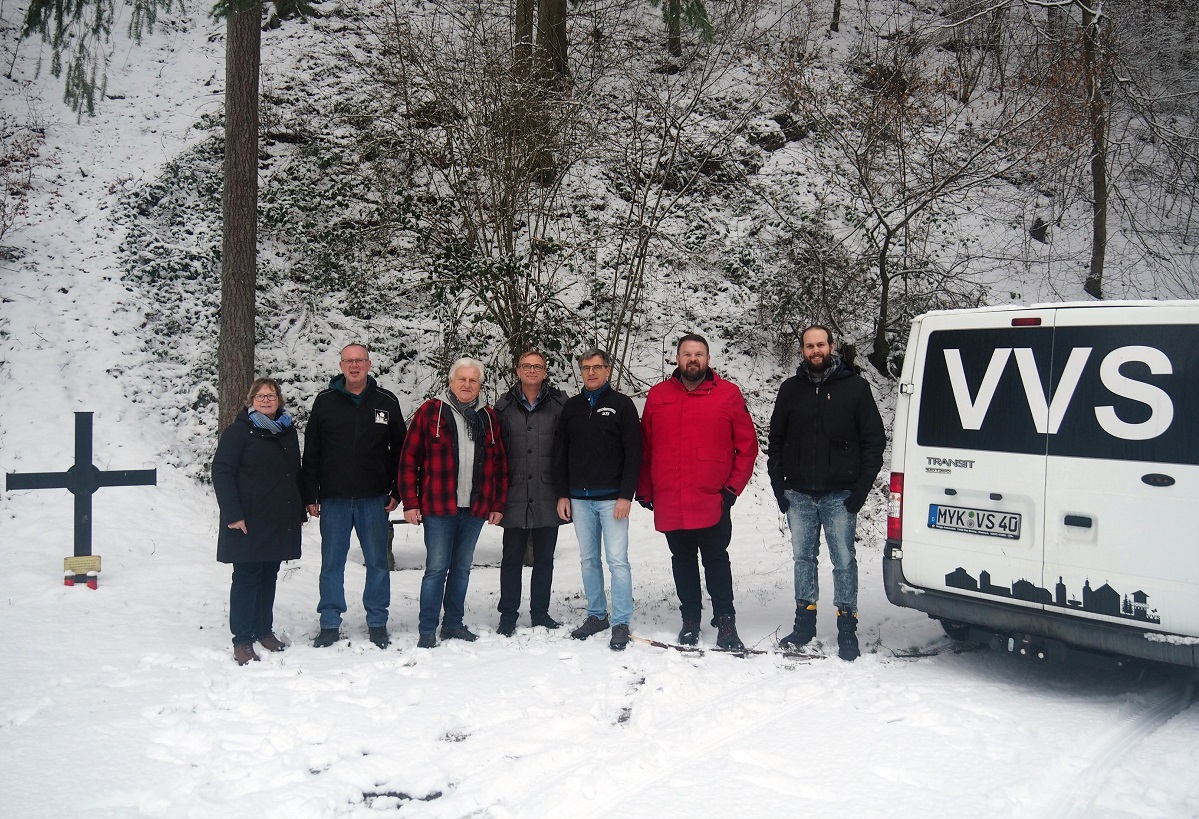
(1103, 600)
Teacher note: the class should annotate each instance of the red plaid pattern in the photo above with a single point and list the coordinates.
(428, 474)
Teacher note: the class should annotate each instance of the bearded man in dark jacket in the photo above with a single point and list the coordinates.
(824, 451)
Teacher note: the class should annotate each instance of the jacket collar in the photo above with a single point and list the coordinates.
(339, 384)
(710, 379)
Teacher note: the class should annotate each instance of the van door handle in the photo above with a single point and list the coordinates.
(1079, 521)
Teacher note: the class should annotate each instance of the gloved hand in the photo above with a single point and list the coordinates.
(646, 504)
(784, 504)
(855, 502)
(729, 496)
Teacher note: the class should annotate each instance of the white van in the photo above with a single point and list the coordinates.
(1045, 478)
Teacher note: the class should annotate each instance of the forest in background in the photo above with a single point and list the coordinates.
(470, 177)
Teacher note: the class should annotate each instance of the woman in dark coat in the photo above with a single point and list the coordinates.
(256, 475)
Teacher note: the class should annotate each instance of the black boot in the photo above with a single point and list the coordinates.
(805, 626)
(689, 635)
(847, 635)
(726, 634)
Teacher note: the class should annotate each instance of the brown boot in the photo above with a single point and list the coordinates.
(271, 643)
(244, 653)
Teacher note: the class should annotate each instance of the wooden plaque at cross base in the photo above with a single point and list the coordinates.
(81, 570)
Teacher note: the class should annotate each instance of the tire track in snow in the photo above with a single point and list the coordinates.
(1078, 798)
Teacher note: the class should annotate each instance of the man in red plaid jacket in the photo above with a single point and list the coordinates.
(453, 476)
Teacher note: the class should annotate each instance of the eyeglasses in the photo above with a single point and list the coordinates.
(357, 361)
(266, 397)
(593, 368)
(536, 368)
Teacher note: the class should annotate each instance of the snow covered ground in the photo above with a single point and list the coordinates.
(125, 701)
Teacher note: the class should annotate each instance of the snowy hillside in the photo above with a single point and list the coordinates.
(125, 701)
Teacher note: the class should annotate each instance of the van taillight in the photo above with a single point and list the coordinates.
(1027, 321)
(895, 508)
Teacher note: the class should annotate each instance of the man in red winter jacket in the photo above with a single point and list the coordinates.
(697, 455)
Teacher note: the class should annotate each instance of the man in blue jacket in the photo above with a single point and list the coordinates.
(351, 453)
(824, 451)
(597, 459)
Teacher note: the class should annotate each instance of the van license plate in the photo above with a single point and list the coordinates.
(974, 521)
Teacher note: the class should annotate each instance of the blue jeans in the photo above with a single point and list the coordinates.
(367, 517)
(450, 545)
(809, 512)
(593, 520)
(252, 600)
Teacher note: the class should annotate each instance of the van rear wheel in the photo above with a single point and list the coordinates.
(956, 630)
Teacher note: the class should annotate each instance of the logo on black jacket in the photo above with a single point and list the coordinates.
(381, 417)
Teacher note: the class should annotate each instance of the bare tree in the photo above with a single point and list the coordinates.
(21, 142)
(481, 103)
(675, 134)
(905, 146)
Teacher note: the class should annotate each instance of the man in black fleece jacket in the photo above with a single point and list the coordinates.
(351, 453)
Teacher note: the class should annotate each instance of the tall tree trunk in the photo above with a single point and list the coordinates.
(881, 354)
(524, 38)
(674, 28)
(239, 210)
(551, 34)
(835, 25)
(1097, 117)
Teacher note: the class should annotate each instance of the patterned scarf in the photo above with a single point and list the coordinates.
(820, 376)
(469, 413)
(275, 425)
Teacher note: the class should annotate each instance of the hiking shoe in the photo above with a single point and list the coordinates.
(726, 634)
(545, 621)
(379, 637)
(244, 653)
(805, 626)
(620, 637)
(271, 643)
(847, 637)
(326, 638)
(506, 627)
(689, 636)
(459, 633)
(592, 625)
(427, 641)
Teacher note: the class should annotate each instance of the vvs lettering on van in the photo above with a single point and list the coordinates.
(1082, 392)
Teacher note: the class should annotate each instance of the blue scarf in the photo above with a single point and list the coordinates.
(275, 425)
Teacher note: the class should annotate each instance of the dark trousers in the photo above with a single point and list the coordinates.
(712, 545)
(252, 600)
(545, 539)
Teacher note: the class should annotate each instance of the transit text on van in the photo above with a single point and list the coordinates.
(960, 464)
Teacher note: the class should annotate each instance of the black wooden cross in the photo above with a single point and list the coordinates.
(83, 479)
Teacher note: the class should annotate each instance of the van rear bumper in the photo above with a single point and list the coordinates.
(1089, 635)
